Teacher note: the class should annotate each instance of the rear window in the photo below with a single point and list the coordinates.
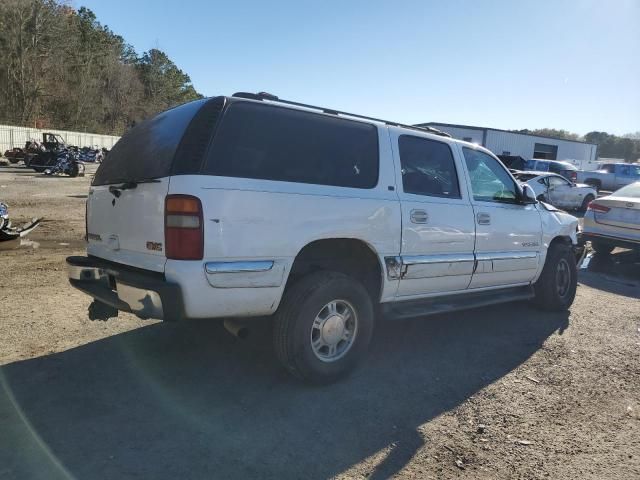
(561, 167)
(147, 150)
(632, 190)
(273, 143)
(525, 177)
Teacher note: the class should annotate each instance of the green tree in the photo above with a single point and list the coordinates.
(165, 85)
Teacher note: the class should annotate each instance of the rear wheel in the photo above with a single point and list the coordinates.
(602, 247)
(585, 203)
(556, 287)
(323, 326)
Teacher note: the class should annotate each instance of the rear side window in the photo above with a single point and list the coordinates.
(427, 167)
(273, 143)
(147, 150)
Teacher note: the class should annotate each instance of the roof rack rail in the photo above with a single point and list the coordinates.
(261, 96)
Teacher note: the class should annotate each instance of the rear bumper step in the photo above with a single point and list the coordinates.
(452, 303)
(145, 294)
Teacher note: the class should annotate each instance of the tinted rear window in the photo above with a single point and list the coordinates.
(147, 150)
(273, 143)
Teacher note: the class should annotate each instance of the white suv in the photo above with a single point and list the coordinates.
(233, 207)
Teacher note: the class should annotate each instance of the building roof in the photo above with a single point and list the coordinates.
(470, 127)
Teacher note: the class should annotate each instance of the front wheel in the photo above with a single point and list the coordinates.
(323, 326)
(556, 288)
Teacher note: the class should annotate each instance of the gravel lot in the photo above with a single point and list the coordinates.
(503, 392)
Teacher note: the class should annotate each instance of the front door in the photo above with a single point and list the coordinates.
(508, 234)
(437, 218)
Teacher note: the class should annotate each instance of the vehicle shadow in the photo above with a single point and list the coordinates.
(190, 401)
(617, 273)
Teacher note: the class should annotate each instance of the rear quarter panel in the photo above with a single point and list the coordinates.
(249, 219)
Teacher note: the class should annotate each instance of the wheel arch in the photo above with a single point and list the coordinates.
(349, 255)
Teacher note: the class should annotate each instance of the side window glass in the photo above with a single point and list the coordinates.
(556, 182)
(428, 167)
(272, 143)
(489, 181)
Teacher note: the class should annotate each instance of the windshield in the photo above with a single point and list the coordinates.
(147, 150)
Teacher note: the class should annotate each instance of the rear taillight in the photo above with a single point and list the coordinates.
(596, 207)
(574, 176)
(183, 229)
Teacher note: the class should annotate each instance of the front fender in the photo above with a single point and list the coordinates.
(555, 224)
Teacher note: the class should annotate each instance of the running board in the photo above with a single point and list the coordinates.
(452, 303)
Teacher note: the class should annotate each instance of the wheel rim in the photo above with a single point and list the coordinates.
(334, 330)
(563, 277)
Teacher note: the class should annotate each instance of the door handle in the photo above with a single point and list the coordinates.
(483, 218)
(419, 216)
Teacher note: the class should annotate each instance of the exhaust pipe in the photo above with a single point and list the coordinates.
(237, 329)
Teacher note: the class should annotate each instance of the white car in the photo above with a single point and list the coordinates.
(614, 220)
(558, 191)
(250, 206)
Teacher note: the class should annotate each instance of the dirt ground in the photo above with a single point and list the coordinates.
(506, 392)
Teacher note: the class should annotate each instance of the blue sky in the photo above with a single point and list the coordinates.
(497, 63)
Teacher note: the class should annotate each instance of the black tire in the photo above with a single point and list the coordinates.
(601, 247)
(552, 291)
(294, 325)
(585, 203)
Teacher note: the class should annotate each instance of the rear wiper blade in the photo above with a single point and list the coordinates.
(116, 190)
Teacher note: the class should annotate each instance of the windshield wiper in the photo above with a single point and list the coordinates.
(116, 190)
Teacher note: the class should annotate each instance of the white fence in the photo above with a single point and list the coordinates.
(11, 137)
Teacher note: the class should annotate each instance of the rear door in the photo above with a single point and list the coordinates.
(437, 219)
(560, 192)
(125, 206)
(626, 174)
(508, 234)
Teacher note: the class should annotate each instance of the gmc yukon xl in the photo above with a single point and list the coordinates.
(251, 206)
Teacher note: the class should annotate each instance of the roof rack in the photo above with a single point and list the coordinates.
(261, 96)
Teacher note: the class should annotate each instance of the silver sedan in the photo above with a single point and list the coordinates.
(614, 220)
(558, 191)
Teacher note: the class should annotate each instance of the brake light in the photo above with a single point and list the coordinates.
(596, 207)
(183, 228)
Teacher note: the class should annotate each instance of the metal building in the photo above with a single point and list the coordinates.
(504, 142)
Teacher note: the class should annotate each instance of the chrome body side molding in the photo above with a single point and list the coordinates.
(433, 266)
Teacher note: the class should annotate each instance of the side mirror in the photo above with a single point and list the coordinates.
(528, 195)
